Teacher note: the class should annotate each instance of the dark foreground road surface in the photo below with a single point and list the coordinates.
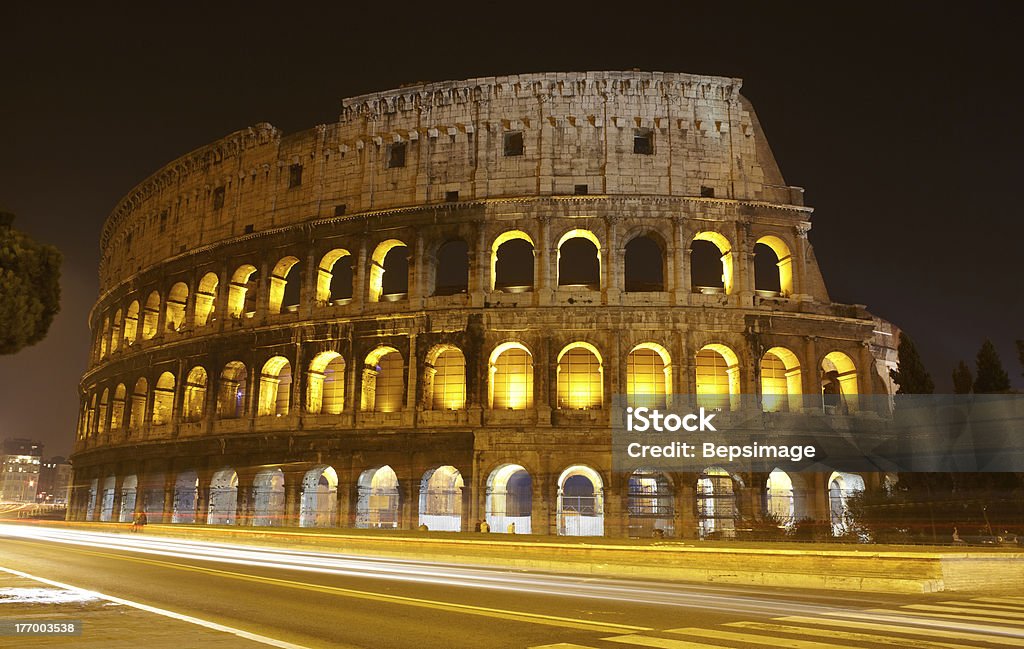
(267, 596)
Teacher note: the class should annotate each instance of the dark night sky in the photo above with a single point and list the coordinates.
(902, 121)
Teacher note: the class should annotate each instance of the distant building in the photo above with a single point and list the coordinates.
(19, 470)
(54, 481)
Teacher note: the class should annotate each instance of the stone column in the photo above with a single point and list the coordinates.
(686, 507)
(170, 482)
(616, 507)
(612, 263)
(244, 497)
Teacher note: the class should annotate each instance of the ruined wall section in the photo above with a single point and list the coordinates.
(578, 130)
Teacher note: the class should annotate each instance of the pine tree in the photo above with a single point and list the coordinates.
(991, 377)
(910, 373)
(962, 379)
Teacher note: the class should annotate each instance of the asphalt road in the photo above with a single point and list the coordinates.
(314, 599)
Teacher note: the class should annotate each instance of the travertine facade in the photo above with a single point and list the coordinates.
(239, 376)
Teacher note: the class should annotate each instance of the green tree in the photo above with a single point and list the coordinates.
(991, 377)
(910, 373)
(29, 287)
(962, 379)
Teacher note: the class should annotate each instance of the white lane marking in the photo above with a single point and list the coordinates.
(255, 637)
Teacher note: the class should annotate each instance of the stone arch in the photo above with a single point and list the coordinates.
(104, 336)
(383, 387)
(773, 266)
(285, 285)
(718, 377)
(383, 261)
(512, 262)
(151, 316)
(275, 388)
(104, 407)
(509, 500)
(186, 498)
(117, 407)
(440, 503)
(650, 504)
(115, 331)
(377, 505)
(194, 404)
(107, 497)
(325, 385)
(838, 383)
(140, 395)
(319, 497)
(444, 378)
(129, 496)
(697, 271)
(223, 498)
(510, 369)
(645, 267)
(177, 301)
(131, 323)
(781, 381)
(268, 498)
(232, 391)
(333, 282)
(242, 291)
(716, 504)
(648, 376)
(840, 487)
(163, 399)
(580, 502)
(206, 299)
(786, 497)
(451, 270)
(580, 383)
(579, 259)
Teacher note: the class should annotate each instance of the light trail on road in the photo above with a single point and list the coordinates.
(718, 599)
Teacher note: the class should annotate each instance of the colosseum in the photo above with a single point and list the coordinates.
(420, 313)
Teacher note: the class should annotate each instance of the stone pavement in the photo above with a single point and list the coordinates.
(105, 625)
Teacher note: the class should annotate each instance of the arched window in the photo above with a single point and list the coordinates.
(718, 378)
(206, 299)
(511, 372)
(90, 420)
(137, 416)
(104, 403)
(195, 394)
(268, 498)
(334, 277)
(773, 266)
(223, 498)
(177, 299)
(644, 266)
(711, 263)
(452, 271)
(117, 407)
(580, 502)
(284, 286)
(580, 384)
(648, 376)
(838, 383)
(383, 381)
(440, 506)
(115, 332)
(319, 497)
(780, 381)
(389, 271)
(650, 505)
(151, 316)
(131, 323)
(325, 392)
(716, 504)
(509, 506)
(163, 399)
(579, 260)
(104, 336)
(512, 262)
(377, 505)
(242, 292)
(275, 388)
(232, 391)
(445, 378)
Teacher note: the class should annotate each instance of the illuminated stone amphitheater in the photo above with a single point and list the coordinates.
(418, 315)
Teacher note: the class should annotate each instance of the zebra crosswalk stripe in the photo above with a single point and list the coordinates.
(754, 638)
(949, 634)
(848, 635)
(659, 643)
